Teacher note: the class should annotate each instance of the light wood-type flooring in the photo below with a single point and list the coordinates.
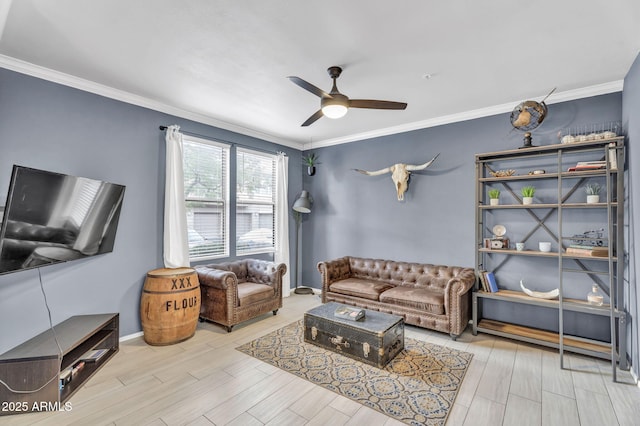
(205, 381)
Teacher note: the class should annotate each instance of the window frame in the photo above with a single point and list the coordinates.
(272, 203)
(225, 201)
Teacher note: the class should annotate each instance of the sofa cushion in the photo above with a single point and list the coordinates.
(357, 287)
(415, 297)
(249, 293)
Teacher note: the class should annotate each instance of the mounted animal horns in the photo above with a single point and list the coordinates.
(399, 174)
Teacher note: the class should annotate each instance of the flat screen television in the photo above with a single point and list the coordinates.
(51, 217)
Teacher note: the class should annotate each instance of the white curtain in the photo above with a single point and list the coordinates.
(176, 246)
(282, 220)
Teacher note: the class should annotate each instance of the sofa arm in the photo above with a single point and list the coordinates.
(216, 278)
(332, 271)
(457, 300)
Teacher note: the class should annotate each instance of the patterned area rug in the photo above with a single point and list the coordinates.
(417, 387)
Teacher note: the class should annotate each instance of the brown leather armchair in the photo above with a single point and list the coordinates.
(233, 292)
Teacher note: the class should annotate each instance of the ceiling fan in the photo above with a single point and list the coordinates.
(334, 104)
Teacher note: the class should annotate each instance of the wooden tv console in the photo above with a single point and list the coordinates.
(35, 366)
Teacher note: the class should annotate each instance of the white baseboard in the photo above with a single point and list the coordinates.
(316, 291)
(633, 374)
(131, 336)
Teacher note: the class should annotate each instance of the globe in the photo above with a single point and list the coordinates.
(528, 115)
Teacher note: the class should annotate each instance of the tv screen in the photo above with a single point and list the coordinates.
(51, 217)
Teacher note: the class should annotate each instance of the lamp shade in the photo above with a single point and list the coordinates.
(303, 203)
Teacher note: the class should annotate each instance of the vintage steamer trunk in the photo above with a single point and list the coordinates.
(374, 340)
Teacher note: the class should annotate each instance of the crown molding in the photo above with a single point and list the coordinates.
(569, 95)
(43, 73)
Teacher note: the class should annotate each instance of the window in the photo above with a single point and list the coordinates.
(255, 202)
(206, 193)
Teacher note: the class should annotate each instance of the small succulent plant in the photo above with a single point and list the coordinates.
(310, 160)
(593, 189)
(528, 191)
(494, 193)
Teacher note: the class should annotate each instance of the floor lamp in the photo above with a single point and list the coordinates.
(301, 205)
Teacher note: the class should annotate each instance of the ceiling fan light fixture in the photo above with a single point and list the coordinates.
(334, 110)
(336, 106)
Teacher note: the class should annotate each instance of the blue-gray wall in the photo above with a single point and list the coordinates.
(359, 215)
(631, 123)
(54, 127)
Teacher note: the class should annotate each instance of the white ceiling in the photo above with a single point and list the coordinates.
(225, 63)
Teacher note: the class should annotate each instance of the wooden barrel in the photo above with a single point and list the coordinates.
(170, 305)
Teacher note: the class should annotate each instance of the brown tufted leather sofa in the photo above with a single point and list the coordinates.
(237, 291)
(430, 296)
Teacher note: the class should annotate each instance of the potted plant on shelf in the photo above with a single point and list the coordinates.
(527, 194)
(494, 197)
(310, 160)
(593, 193)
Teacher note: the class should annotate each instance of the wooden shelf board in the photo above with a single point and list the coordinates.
(588, 205)
(544, 254)
(518, 177)
(544, 336)
(522, 206)
(547, 149)
(565, 175)
(581, 173)
(548, 206)
(576, 305)
(524, 252)
(519, 296)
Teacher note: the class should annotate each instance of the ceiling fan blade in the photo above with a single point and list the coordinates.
(373, 104)
(313, 118)
(309, 87)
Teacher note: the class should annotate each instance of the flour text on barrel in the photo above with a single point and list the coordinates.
(176, 305)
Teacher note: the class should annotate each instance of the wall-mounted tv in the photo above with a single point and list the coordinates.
(51, 217)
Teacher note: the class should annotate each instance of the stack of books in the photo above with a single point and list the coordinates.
(588, 165)
(353, 314)
(94, 355)
(65, 377)
(488, 282)
(582, 250)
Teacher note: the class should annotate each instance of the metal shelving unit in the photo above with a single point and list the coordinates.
(606, 272)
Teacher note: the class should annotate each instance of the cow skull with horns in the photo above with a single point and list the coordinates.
(399, 174)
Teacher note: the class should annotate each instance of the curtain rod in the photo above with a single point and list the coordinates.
(225, 141)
